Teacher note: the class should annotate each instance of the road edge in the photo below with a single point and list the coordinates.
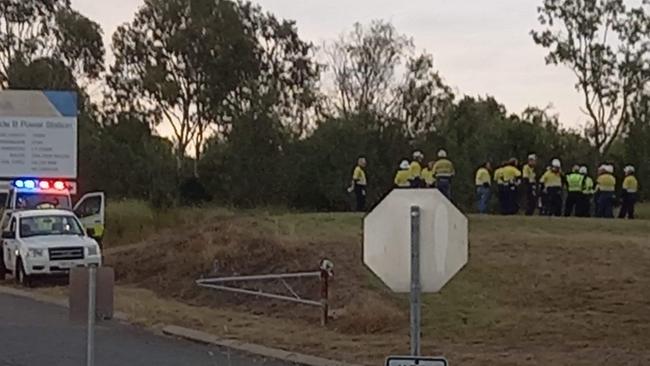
(196, 336)
(253, 349)
(47, 299)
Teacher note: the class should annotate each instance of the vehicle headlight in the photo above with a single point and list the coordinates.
(93, 250)
(35, 252)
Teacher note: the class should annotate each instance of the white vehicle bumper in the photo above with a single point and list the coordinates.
(45, 267)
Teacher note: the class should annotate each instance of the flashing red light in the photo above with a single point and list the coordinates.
(59, 185)
(44, 184)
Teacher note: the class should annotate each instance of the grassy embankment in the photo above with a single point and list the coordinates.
(536, 290)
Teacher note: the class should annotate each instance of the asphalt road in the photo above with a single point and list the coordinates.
(33, 333)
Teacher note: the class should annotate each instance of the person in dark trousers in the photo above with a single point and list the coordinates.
(575, 185)
(606, 186)
(443, 172)
(483, 182)
(529, 182)
(583, 208)
(512, 178)
(359, 184)
(501, 187)
(543, 195)
(552, 182)
(596, 196)
(628, 193)
(416, 170)
(427, 176)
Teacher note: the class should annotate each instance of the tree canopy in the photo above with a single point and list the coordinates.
(607, 46)
(260, 116)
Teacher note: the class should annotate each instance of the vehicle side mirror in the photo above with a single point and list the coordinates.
(8, 235)
(91, 232)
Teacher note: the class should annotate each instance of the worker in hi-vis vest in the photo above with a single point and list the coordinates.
(605, 188)
(483, 182)
(443, 172)
(359, 184)
(511, 176)
(552, 187)
(629, 193)
(403, 175)
(501, 187)
(416, 170)
(575, 185)
(583, 209)
(428, 178)
(529, 183)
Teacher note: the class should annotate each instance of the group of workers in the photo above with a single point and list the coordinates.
(411, 174)
(553, 193)
(436, 174)
(547, 193)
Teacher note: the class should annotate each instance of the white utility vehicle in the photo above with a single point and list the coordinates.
(45, 242)
(30, 194)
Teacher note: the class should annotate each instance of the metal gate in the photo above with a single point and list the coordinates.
(324, 272)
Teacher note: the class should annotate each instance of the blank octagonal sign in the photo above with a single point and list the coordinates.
(387, 239)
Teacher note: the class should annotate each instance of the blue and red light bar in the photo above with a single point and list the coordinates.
(37, 184)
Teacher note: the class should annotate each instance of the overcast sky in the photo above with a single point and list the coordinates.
(480, 47)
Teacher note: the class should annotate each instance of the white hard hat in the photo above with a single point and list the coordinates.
(582, 170)
(629, 169)
(417, 154)
(555, 163)
(404, 164)
(532, 157)
(609, 168)
(442, 153)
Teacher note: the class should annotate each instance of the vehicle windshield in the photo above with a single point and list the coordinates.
(30, 201)
(49, 225)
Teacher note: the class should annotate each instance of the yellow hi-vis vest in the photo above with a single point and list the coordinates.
(359, 176)
(402, 178)
(630, 184)
(551, 179)
(606, 183)
(427, 176)
(415, 170)
(510, 174)
(443, 168)
(575, 182)
(529, 174)
(589, 186)
(482, 177)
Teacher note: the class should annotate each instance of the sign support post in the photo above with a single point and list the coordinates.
(90, 340)
(416, 288)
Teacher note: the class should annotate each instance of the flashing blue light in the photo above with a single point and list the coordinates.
(30, 184)
(19, 184)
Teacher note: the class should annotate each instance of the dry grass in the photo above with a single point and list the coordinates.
(370, 314)
(536, 291)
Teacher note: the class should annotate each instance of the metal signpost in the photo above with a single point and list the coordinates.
(416, 288)
(416, 304)
(90, 340)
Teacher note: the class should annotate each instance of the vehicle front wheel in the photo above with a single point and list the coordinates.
(21, 277)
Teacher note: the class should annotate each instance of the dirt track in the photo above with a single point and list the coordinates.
(535, 292)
